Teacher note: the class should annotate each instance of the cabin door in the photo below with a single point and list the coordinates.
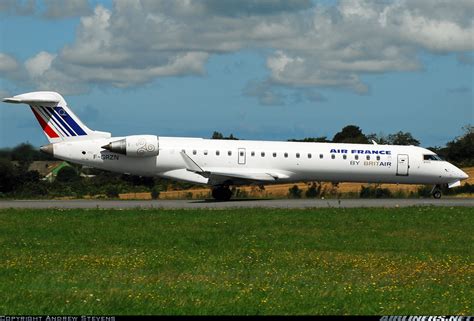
(242, 156)
(402, 165)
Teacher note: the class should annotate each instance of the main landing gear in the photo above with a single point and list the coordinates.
(436, 191)
(221, 193)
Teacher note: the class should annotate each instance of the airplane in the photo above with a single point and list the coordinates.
(221, 164)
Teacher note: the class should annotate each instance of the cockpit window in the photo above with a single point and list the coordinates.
(431, 157)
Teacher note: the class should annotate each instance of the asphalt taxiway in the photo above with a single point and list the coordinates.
(252, 203)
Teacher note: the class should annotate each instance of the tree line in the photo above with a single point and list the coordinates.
(17, 180)
(459, 151)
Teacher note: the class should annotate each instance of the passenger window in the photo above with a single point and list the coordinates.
(321, 156)
(274, 154)
(344, 156)
(229, 153)
(378, 157)
(309, 155)
(262, 154)
(356, 157)
(252, 154)
(217, 153)
(286, 155)
(297, 155)
(194, 152)
(205, 152)
(368, 157)
(241, 153)
(333, 156)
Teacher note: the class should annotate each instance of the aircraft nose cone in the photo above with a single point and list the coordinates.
(463, 175)
(47, 149)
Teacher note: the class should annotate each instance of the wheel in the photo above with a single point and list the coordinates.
(221, 193)
(437, 194)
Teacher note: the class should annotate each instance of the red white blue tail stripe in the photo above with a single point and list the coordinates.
(57, 122)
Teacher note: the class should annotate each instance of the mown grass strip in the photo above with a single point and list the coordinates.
(243, 261)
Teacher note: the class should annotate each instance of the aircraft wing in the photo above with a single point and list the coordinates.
(218, 175)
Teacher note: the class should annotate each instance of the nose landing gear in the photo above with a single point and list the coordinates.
(436, 191)
(221, 193)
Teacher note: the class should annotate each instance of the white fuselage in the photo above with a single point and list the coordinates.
(221, 163)
(284, 161)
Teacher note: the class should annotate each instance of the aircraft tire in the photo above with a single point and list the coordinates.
(221, 193)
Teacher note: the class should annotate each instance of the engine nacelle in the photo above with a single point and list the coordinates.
(135, 146)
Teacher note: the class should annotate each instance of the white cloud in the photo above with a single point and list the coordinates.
(43, 73)
(266, 94)
(436, 34)
(50, 9)
(26, 7)
(56, 9)
(309, 46)
(39, 64)
(7, 63)
(253, 7)
(299, 72)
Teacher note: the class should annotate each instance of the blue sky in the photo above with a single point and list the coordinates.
(265, 69)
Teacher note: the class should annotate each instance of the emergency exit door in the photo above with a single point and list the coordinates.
(242, 155)
(402, 165)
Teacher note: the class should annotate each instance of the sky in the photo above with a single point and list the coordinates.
(259, 69)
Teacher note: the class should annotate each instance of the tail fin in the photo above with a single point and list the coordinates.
(56, 119)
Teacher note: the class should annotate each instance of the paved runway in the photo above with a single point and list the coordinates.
(277, 203)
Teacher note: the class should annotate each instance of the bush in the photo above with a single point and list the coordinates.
(374, 192)
(31, 176)
(34, 189)
(8, 179)
(382, 193)
(400, 194)
(314, 190)
(464, 189)
(112, 191)
(67, 174)
(239, 193)
(155, 193)
(294, 192)
(424, 191)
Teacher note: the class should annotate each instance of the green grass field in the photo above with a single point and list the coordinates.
(243, 261)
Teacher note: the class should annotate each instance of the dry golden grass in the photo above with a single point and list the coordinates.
(281, 190)
(469, 171)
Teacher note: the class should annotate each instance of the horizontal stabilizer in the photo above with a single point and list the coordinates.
(13, 100)
(35, 98)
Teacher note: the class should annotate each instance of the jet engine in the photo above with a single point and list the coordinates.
(135, 146)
